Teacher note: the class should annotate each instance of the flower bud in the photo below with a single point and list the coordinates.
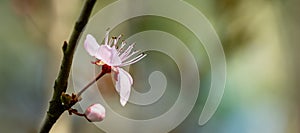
(95, 113)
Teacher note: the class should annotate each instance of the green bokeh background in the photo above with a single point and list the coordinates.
(259, 37)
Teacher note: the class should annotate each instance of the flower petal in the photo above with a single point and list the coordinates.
(123, 85)
(115, 59)
(91, 45)
(114, 77)
(108, 55)
(104, 53)
(95, 112)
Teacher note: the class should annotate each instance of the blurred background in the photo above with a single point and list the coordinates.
(259, 37)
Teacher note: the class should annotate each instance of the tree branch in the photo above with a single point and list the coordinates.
(56, 108)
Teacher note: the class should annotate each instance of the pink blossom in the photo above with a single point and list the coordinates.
(95, 113)
(115, 55)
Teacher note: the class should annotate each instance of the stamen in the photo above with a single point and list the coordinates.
(115, 41)
(118, 38)
(106, 36)
(110, 42)
(128, 56)
(99, 62)
(127, 51)
(134, 60)
(122, 46)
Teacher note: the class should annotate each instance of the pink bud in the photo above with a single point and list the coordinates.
(95, 113)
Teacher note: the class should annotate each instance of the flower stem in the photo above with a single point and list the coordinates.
(74, 111)
(91, 83)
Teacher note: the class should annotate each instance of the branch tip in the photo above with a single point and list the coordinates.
(65, 46)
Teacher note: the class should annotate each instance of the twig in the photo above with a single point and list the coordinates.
(56, 108)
